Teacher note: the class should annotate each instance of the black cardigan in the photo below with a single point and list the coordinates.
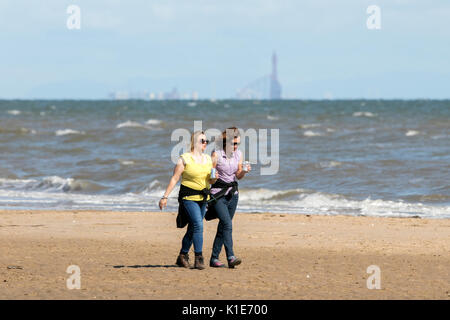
(183, 217)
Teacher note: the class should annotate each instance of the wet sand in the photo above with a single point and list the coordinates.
(131, 256)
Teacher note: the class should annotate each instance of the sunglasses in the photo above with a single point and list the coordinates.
(203, 141)
(236, 143)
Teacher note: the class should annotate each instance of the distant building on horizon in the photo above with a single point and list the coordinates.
(275, 86)
(265, 87)
(174, 94)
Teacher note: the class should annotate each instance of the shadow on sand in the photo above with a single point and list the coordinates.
(147, 266)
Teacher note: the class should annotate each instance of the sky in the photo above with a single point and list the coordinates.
(324, 48)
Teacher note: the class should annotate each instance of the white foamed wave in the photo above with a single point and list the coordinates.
(329, 164)
(364, 114)
(53, 183)
(310, 133)
(295, 201)
(266, 194)
(153, 122)
(67, 132)
(412, 133)
(272, 118)
(14, 112)
(308, 125)
(137, 125)
(13, 199)
(192, 104)
(156, 189)
(26, 130)
(130, 124)
(126, 162)
(330, 204)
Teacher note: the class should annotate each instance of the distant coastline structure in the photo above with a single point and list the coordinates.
(174, 94)
(265, 87)
(275, 86)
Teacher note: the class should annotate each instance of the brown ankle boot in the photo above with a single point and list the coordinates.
(183, 260)
(199, 263)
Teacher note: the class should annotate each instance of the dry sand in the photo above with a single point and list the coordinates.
(132, 255)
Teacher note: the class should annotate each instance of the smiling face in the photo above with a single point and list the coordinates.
(202, 142)
(231, 139)
(199, 142)
(235, 143)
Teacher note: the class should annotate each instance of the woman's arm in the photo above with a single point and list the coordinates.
(177, 171)
(214, 164)
(241, 173)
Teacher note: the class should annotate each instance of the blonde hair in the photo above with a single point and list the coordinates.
(194, 137)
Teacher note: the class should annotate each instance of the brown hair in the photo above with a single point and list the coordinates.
(231, 135)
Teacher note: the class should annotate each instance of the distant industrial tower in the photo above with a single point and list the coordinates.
(265, 87)
(275, 87)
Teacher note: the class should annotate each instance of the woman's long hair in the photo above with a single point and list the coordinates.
(194, 137)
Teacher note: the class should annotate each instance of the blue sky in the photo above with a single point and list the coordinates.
(216, 47)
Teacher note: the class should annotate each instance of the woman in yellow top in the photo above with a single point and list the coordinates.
(195, 170)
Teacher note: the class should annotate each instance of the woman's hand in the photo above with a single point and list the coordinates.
(240, 173)
(162, 203)
(177, 171)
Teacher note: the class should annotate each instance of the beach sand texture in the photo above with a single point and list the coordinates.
(131, 255)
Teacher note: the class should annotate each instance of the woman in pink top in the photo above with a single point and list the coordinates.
(228, 163)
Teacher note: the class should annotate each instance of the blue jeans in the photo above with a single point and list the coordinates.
(194, 234)
(225, 209)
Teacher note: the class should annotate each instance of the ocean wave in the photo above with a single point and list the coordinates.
(295, 201)
(412, 133)
(332, 204)
(308, 125)
(364, 114)
(428, 198)
(130, 124)
(137, 125)
(310, 133)
(26, 130)
(14, 112)
(329, 164)
(272, 118)
(18, 131)
(153, 122)
(126, 162)
(53, 183)
(268, 194)
(64, 132)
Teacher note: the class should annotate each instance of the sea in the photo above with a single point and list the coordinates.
(386, 158)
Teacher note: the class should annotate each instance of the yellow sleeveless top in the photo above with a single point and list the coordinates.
(196, 176)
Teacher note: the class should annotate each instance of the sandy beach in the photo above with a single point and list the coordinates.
(131, 255)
